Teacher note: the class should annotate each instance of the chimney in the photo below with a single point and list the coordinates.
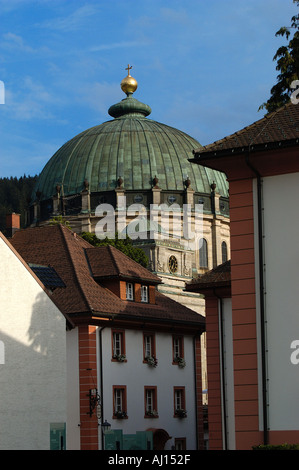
(12, 224)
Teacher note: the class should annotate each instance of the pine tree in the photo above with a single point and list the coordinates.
(14, 196)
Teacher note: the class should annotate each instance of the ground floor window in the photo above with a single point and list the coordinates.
(180, 443)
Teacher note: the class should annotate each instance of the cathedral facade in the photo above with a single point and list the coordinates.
(138, 171)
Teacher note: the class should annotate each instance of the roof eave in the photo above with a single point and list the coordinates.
(121, 277)
(165, 322)
(129, 320)
(198, 287)
(203, 154)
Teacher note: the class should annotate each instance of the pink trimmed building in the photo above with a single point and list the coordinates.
(252, 317)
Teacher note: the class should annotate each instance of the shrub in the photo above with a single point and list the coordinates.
(277, 447)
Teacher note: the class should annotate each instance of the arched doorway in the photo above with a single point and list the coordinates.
(160, 437)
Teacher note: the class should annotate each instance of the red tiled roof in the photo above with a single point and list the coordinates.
(60, 248)
(217, 277)
(109, 262)
(37, 279)
(278, 128)
(70, 255)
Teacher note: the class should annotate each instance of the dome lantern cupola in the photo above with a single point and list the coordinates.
(129, 84)
(129, 105)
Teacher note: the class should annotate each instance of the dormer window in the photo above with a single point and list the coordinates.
(144, 294)
(130, 291)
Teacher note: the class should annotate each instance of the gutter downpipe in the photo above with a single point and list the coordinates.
(261, 290)
(222, 369)
(195, 390)
(101, 386)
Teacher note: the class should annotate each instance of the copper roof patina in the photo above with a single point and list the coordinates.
(132, 147)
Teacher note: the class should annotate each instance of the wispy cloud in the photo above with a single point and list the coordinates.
(118, 45)
(176, 16)
(14, 42)
(9, 5)
(30, 101)
(71, 22)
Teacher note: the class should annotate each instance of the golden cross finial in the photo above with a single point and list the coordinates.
(128, 69)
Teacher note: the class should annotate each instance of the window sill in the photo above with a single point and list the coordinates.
(120, 416)
(120, 361)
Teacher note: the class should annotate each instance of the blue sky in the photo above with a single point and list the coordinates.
(203, 66)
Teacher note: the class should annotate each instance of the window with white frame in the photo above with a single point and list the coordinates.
(129, 291)
(178, 399)
(149, 349)
(179, 402)
(177, 347)
(148, 346)
(119, 402)
(144, 293)
(118, 345)
(117, 342)
(151, 402)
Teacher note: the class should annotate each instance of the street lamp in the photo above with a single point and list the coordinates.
(106, 426)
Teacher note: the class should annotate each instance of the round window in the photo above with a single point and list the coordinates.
(138, 198)
(171, 199)
(173, 264)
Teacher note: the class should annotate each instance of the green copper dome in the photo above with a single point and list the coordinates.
(131, 147)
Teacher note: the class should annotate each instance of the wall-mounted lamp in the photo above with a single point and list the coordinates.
(94, 400)
(106, 426)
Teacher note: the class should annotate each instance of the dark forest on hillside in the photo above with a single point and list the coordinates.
(15, 194)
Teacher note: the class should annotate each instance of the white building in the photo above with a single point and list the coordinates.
(120, 318)
(32, 359)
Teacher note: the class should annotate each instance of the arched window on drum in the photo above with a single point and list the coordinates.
(203, 253)
(224, 252)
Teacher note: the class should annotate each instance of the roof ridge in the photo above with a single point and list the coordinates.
(251, 132)
(64, 250)
(69, 252)
(268, 119)
(113, 257)
(127, 260)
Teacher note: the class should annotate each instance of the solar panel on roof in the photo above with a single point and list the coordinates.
(48, 276)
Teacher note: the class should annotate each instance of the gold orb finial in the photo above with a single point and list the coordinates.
(129, 84)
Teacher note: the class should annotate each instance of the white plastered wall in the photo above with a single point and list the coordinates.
(281, 256)
(33, 370)
(135, 375)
